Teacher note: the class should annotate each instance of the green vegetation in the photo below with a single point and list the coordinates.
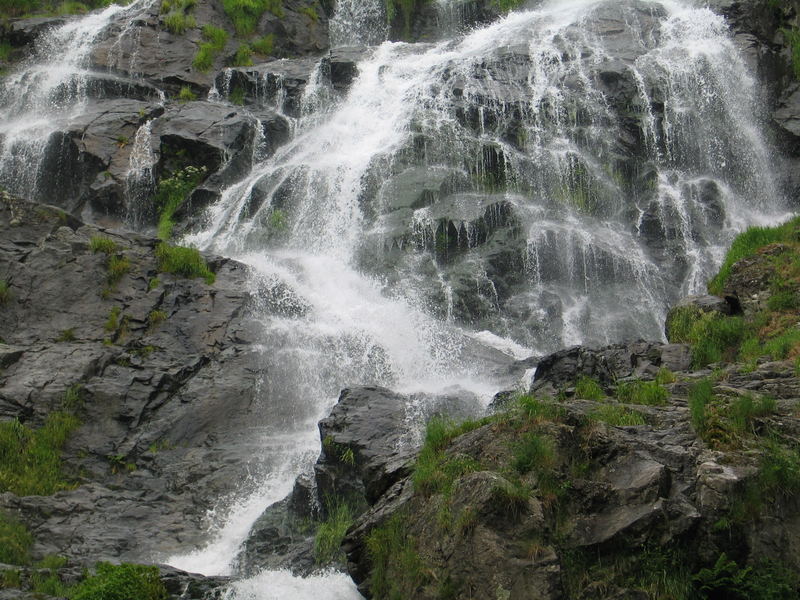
(243, 56)
(747, 243)
(264, 46)
(68, 335)
(215, 40)
(186, 262)
(793, 40)
(30, 459)
(533, 451)
(100, 243)
(536, 411)
(176, 15)
(5, 51)
(434, 471)
(713, 336)
(112, 323)
(171, 193)
(310, 12)
(5, 293)
(155, 318)
(245, 13)
(330, 533)
(665, 376)
(642, 392)
(764, 582)
(9, 578)
(397, 569)
(15, 539)
(19, 8)
(121, 582)
(118, 267)
(617, 416)
(588, 389)
(186, 94)
(237, 96)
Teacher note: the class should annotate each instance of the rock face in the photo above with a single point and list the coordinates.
(621, 493)
(165, 372)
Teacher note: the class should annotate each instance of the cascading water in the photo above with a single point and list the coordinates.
(42, 97)
(558, 176)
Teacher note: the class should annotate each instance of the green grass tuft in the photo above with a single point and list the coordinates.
(5, 292)
(397, 570)
(245, 14)
(264, 46)
(642, 392)
(100, 243)
(701, 394)
(215, 40)
(186, 262)
(121, 582)
(186, 94)
(330, 534)
(617, 416)
(171, 193)
(588, 389)
(533, 452)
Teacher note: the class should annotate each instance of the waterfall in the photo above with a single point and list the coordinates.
(603, 153)
(50, 90)
(139, 181)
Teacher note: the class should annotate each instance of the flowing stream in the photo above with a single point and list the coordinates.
(558, 176)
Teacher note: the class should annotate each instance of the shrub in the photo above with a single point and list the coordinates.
(642, 392)
(186, 262)
(588, 389)
(330, 533)
(100, 243)
(15, 539)
(121, 582)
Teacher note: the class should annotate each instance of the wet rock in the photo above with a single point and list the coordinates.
(156, 399)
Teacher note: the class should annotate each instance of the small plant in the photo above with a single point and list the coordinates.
(117, 267)
(15, 541)
(245, 13)
(68, 335)
(665, 376)
(171, 193)
(99, 243)
(73, 400)
(122, 141)
(330, 533)
(186, 94)
(617, 416)
(153, 284)
(310, 13)
(397, 569)
(511, 496)
(745, 410)
(186, 262)
(537, 410)
(9, 578)
(588, 389)
(642, 392)
(216, 39)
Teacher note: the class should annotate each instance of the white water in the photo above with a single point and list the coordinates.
(325, 213)
(48, 92)
(352, 327)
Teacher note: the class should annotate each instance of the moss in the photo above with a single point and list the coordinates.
(186, 262)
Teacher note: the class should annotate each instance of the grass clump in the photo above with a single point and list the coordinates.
(30, 459)
(588, 389)
(264, 46)
(745, 244)
(533, 452)
(101, 243)
(5, 292)
(176, 15)
(243, 56)
(215, 40)
(330, 533)
(68, 335)
(245, 14)
(536, 410)
(642, 392)
(118, 267)
(617, 416)
(186, 262)
(121, 582)
(15, 540)
(397, 569)
(700, 396)
(434, 471)
(713, 336)
(186, 94)
(764, 581)
(171, 193)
